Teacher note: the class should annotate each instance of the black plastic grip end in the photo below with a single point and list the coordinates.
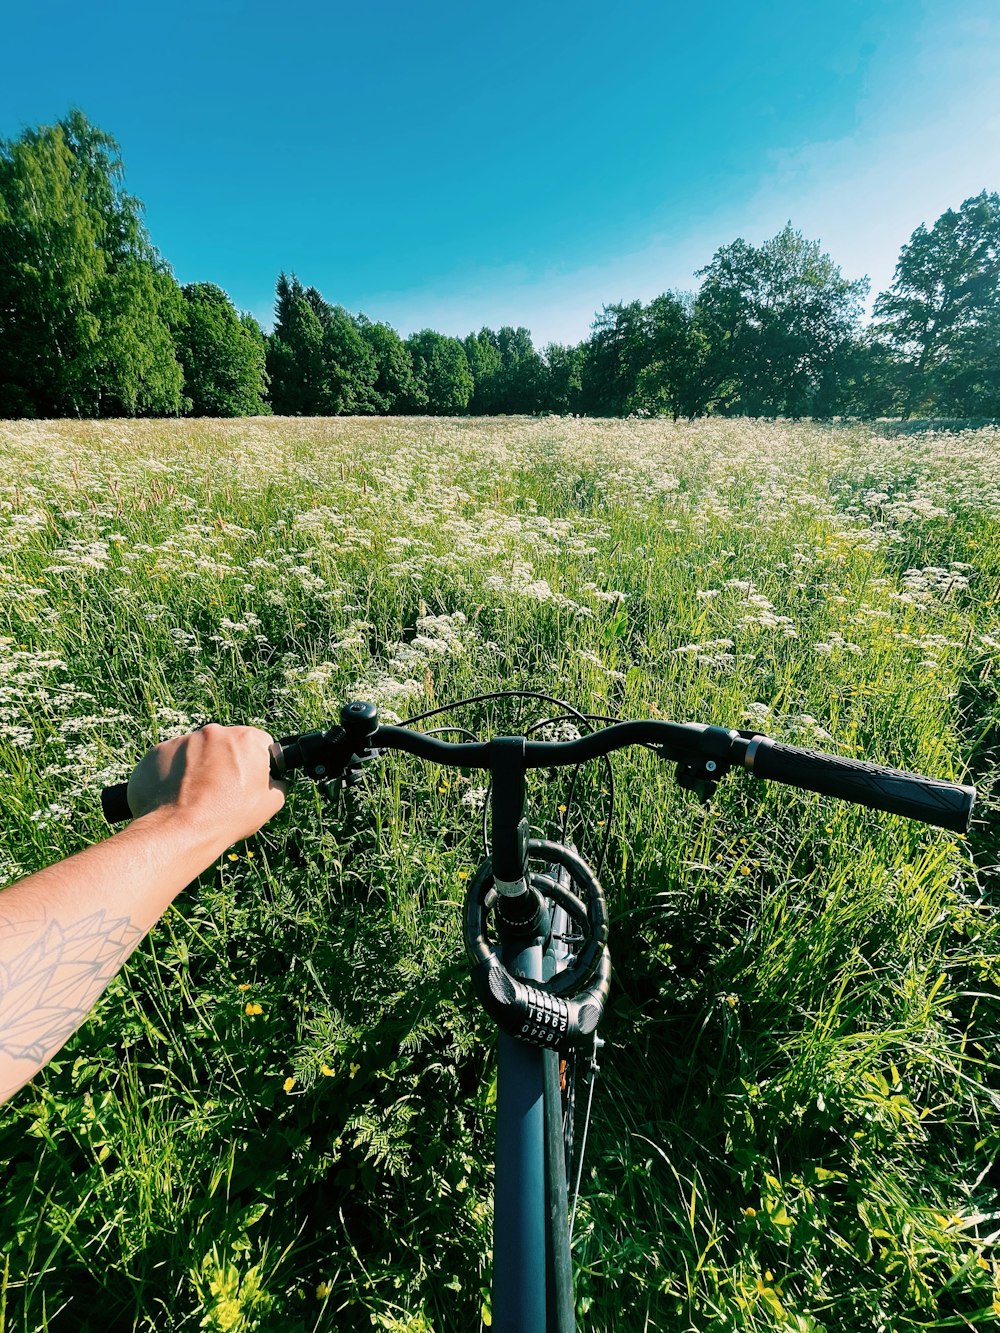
(944, 804)
(114, 803)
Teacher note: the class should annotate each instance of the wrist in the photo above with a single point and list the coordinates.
(187, 837)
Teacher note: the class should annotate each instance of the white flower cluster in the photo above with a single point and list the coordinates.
(932, 584)
(591, 658)
(520, 582)
(9, 869)
(235, 633)
(318, 521)
(28, 690)
(836, 643)
(558, 731)
(605, 594)
(792, 727)
(760, 612)
(474, 798)
(803, 726)
(404, 678)
(79, 555)
(713, 653)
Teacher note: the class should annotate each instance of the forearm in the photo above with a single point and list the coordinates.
(67, 930)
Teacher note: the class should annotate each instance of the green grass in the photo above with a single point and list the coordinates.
(796, 1123)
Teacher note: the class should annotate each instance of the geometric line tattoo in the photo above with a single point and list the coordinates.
(47, 990)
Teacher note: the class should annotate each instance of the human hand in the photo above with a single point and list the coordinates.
(218, 778)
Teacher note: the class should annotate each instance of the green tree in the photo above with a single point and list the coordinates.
(87, 307)
(940, 314)
(140, 308)
(395, 390)
(222, 354)
(482, 354)
(776, 319)
(563, 382)
(441, 371)
(520, 381)
(350, 367)
(615, 354)
(51, 265)
(675, 378)
(968, 383)
(325, 361)
(295, 363)
(508, 374)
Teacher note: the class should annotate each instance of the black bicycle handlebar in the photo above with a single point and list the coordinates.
(705, 753)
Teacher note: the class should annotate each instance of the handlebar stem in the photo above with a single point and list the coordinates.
(510, 822)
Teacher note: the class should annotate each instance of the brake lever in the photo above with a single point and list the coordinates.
(353, 773)
(703, 779)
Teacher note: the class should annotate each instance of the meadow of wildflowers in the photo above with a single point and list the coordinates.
(279, 1114)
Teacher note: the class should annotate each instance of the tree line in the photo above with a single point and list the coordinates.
(93, 323)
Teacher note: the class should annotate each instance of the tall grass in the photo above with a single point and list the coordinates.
(279, 1114)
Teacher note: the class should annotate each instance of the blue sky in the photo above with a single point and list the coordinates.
(449, 166)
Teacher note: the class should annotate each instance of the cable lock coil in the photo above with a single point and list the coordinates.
(544, 1013)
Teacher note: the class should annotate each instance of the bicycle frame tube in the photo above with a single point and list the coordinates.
(519, 1243)
(532, 1276)
(527, 1294)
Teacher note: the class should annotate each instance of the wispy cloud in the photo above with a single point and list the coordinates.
(926, 136)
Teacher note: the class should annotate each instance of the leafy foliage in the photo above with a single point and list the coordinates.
(942, 314)
(441, 373)
(87, 307)
(222, 354)
(92, 323)
(295, 362)
(778, 320)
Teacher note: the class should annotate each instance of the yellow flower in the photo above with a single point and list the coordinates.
(289, 1084)
(325, 1069)
(323, 1290)
(464, 874)
(234, 856)
(562, 809)
(253, 1009)
(749, 1212)
(250, 855)
(355, 1069)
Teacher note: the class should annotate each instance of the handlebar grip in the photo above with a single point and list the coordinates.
(114, 803)
(945, 804)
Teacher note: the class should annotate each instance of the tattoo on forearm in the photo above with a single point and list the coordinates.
(47, 990)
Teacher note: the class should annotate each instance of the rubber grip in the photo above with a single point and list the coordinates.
(114, 803)
(945, 804)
